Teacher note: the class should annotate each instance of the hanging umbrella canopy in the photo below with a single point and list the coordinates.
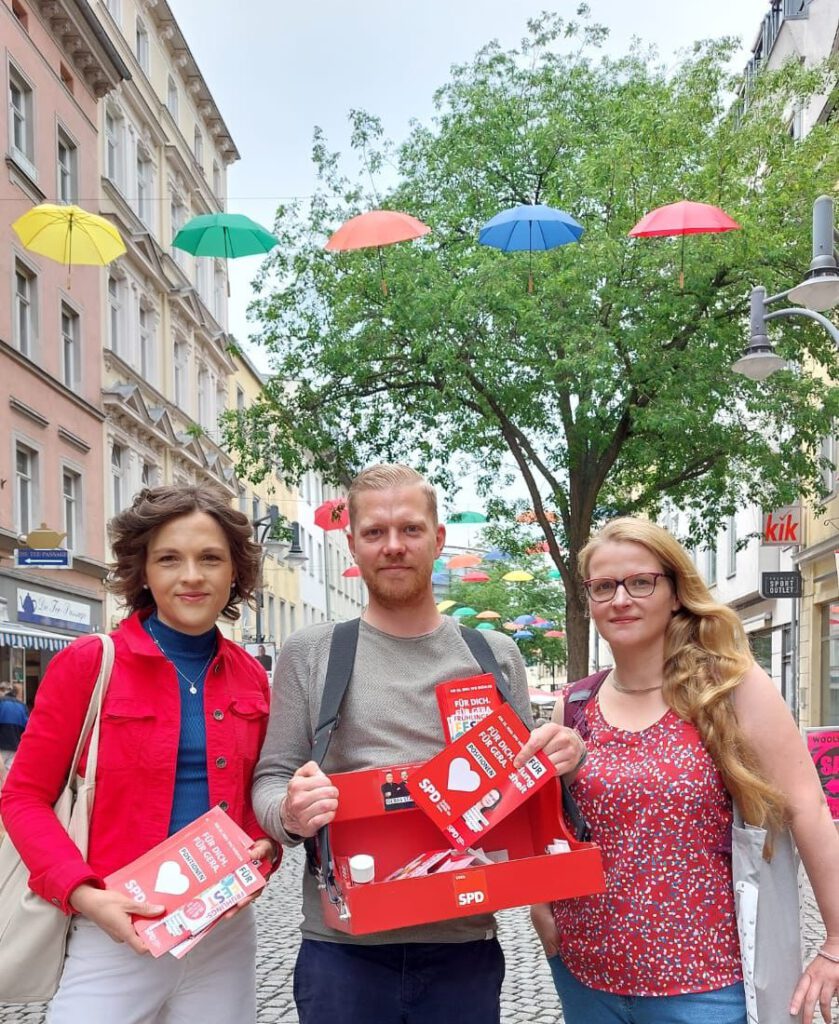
(488, 614)
(351, 572)
(463, 561)
(443, 606)
(464, 612)
(485, 625)
(474, 577)
(440, 579)
(374, 228)
(333, 514)
(226, 235)
(69, 235)
(517, 576)
(543, 624)
(555, 634)
(554, 574)
(522, 634)
(524, 620)
(456, 518)
(683, 218)
(439, 564)
(530, 228)
(511, 627)
(496, 555)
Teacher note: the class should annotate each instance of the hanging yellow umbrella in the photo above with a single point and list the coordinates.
(488, 614)
(69, 235)
(444, 606)
(517, 576)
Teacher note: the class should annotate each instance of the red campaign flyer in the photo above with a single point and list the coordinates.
(471, 784)
(198, 874)
(464, 702)
(823, 745)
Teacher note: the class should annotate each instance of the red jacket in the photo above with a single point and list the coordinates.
(138, 749)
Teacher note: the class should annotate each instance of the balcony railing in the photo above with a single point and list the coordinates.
(779, 12)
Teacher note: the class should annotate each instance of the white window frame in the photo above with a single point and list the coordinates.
(731, 537)
(72, 505)
(198, 145)
(25, 309)
(116, 314)
(146, 343)
(114, 136)
(67, 170)
(711, 564)
(145, 186)
(71, 345)
(141, 44)
(217, 179)
(22, 121)
(32, 479)
(828, 451)
(180, 377)
(118, 465)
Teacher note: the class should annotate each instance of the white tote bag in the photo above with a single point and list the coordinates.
(33, 933)
(766, 899)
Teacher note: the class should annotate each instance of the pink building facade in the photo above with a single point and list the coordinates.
(56, 65)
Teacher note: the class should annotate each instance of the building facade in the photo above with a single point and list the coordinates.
(57, 68)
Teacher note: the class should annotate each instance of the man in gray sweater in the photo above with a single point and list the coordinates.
(430, 974)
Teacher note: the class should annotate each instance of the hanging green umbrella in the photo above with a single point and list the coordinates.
(456, 518)
(485, 625)
(464, 612)
(226, 235)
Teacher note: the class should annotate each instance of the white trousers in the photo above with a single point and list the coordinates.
(106, 982)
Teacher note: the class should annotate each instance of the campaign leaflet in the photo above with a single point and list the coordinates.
(464, 702)
(823, 745)
(471, 785)
(197, 874)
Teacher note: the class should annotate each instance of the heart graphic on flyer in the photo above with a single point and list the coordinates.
(461, 777)
(170, 879)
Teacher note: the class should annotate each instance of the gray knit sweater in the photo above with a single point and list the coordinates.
(389, 716)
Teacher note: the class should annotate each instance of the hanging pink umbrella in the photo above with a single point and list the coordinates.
(351, 572)
(683, 218)
(474, 577)
(374, 229)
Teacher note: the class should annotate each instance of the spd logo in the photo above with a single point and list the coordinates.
(470, 891)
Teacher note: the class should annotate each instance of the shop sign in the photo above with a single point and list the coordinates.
(43, 558)
(780, 584)
(782, 526)
(47, 610)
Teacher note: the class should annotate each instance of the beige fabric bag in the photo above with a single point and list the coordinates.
(33, 933)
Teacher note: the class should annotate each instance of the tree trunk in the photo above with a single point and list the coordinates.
(576, 636)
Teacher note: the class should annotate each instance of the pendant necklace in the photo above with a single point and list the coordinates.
(193, 683)
(630, 689)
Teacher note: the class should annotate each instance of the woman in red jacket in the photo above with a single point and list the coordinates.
(182, 723)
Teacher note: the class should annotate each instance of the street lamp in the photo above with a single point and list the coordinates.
(818, 291)
(290, 553)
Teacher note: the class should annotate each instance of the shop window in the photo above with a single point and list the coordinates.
(830, 666)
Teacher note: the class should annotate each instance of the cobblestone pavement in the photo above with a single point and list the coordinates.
(527, 998)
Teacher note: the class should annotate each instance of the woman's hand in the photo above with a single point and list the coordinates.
(818, 984)
(112, 912)
(542, 919)
(564, 747)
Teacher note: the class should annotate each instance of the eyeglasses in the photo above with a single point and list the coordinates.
(639, 584)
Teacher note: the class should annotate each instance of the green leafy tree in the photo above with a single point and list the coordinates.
(607, 390)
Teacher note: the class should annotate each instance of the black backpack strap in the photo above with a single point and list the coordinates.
(485, 657)
(339, 669)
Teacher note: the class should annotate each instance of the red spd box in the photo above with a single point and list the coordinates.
(375, 818)
(197, 874)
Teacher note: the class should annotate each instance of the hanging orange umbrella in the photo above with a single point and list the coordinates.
(374, 229)
(463, 561)
(488, 614)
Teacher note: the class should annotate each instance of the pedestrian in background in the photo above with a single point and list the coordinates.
(13, 719)
(182, 722)
(683, 723)
(434, 973)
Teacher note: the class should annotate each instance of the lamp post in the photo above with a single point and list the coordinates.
(818, 291)
(289, 553)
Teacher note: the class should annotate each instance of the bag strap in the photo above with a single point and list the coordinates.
(90, 725)
(485, 656)
(577, 697)
(338, 673)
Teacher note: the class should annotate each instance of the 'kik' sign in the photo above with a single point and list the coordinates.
(782, 526)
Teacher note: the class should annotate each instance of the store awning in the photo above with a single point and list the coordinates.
(13, 634)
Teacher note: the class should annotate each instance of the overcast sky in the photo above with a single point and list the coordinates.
(276, 68)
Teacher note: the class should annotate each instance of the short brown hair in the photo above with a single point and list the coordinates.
(387, 475)
(131, 530)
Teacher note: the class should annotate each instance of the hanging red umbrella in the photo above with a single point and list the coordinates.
(683, 218)
(463, 561)
(332, 514)
(352, 571)
(474, 577)
(375, 229)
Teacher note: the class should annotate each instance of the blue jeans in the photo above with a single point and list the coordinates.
(399, 983)
(584, 1005)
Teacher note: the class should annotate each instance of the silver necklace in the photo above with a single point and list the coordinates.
(631, 689)
(193, 687)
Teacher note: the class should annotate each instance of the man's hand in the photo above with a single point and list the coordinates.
(112, 912)
(310, 803)
(563, 746)
(542, 919)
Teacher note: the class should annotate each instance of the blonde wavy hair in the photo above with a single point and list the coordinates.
(706, 654)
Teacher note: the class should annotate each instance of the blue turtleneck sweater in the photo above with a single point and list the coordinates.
(189, 655)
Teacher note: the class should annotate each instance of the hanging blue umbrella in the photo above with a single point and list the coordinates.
(522, 634)
(530, 228)
(440, 578)
(524, 620)
(496, 555)
(544, 625)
